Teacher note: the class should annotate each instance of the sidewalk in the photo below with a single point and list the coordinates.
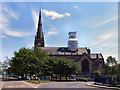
(101, 86)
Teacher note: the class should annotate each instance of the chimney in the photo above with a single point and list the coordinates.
(88, 51)
(97, 56)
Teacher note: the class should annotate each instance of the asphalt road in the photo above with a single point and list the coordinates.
(65, 85)
(69, 85)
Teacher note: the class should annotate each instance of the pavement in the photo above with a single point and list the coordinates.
(102, 86)
(17, 84)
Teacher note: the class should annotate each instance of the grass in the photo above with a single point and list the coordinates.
(36, 81)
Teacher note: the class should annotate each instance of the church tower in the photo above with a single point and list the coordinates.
(72, 42)
(39, 38)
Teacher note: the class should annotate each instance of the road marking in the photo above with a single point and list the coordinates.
(42, 84)
(37, 86)
(31, 84)
(2, 85)
(26, 83)
(16, 86)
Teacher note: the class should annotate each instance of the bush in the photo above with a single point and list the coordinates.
(82, 79)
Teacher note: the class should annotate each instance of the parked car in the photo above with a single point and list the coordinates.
(73, 78)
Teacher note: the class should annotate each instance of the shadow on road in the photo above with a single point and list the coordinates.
(6, 80)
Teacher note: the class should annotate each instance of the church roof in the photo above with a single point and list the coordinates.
(94, 56)
(63, 50)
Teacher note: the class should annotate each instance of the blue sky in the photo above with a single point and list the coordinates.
(96, 24)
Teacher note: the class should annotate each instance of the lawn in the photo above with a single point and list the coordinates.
(36, 81)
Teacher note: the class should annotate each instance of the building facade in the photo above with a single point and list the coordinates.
(88, 62)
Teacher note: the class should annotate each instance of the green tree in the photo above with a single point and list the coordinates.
(118, 70)
(23, 62)
(111, 67)
(66, 67)
(36, 62)
(111, 61)
(49, 67)
(41, 57)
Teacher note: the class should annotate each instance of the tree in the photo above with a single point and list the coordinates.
(61, 66)
(111, 67)
(118, 70)
(36, 62)
(5, 65)
(66, 67)
(28, 62)
(41, 58)
(49, 66)
(111, 61)
(23, 62)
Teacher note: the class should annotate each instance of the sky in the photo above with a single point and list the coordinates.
(96, 24)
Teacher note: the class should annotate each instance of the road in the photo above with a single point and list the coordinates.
(64, 85)
(24, 84)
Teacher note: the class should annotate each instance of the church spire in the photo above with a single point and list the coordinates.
(39, 38)
(40, 26)
(40, 21)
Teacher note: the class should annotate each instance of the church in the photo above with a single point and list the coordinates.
(88, 62)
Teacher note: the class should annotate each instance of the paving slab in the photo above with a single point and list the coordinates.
(15, 84)
(101, 86)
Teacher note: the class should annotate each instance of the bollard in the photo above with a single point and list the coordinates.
(38, 80)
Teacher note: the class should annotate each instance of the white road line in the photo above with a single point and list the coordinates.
(37, 86)
(42, 84)
(2, 85)
(27, 83)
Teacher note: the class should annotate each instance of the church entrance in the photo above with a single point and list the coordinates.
(85, 66)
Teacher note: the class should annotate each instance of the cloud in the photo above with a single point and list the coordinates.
(107, 44)
(35, 17)
(5, 25)
(15, 33)
(11, 13)
(75, 6)
(3, 36)
(98, 22)
(30, 45)
(54, 15)
(67, 14)
(52, 31)
(105, 37)
(107, 21)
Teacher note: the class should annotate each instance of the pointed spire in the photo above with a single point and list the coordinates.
(39, 31)
(39, 38)
(40, 21)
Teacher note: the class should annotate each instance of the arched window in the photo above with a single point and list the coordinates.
(85, 66)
